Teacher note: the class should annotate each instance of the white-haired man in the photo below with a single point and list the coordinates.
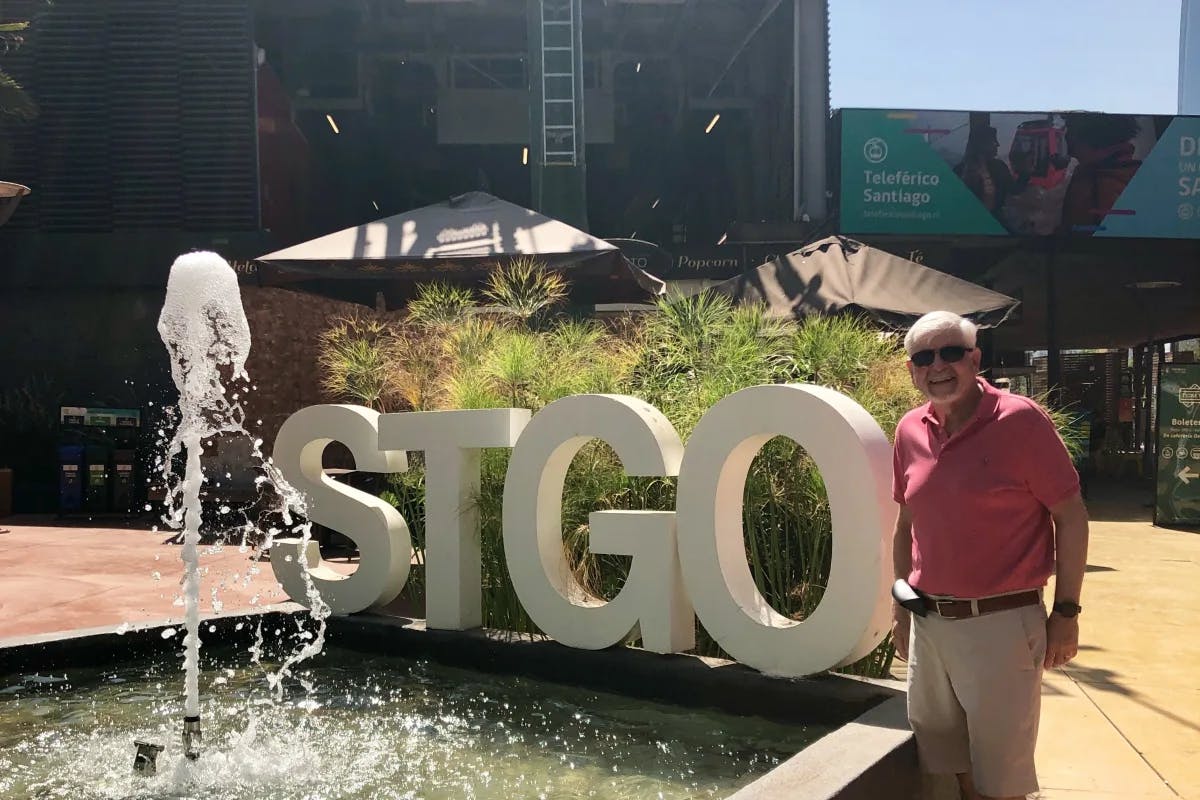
(989, 507)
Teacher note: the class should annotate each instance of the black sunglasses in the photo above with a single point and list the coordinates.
(950, 354)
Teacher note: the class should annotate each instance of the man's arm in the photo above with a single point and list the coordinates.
(902, 544)
(1070, 548)
(901, 566)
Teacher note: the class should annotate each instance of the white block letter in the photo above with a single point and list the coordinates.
(381, 534)
(452, 441)
(854, 458)
(652, 599)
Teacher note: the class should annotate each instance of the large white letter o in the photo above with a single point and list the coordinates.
(854, 459)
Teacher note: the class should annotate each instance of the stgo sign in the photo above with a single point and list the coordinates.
(687, 563)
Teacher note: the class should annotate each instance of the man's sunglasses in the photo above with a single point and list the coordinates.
(950, 354)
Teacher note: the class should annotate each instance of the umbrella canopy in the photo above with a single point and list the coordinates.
(460, 240)
(840, 275)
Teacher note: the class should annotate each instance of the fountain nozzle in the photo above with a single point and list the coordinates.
(191, 737)
(146, 761)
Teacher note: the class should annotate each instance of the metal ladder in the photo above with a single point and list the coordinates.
(559, 132)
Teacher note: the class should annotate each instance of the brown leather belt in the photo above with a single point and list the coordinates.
(952, 608)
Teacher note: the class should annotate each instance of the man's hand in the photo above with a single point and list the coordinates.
(1062, 640)
(901, 620)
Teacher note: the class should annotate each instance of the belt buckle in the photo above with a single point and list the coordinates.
(937, 606)
(949, 602)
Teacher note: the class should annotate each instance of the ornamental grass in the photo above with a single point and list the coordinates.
(682, 357)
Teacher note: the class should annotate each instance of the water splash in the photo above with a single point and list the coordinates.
(207, 337)
(206, 333)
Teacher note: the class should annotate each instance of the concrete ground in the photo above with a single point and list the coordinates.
(1121, 721)
(73, 574)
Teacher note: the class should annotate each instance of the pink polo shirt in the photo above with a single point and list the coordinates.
(979, 500)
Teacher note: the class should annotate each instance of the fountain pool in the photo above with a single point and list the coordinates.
(370, 726)
(461, 715)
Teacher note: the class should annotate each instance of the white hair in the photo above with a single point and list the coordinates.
(936, 322)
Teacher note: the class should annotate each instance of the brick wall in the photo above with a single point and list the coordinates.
(285, 327)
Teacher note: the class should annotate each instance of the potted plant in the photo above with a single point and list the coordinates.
(15, 106)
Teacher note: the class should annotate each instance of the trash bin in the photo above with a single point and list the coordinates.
(70, 478)
(95, 489)
(122, 480)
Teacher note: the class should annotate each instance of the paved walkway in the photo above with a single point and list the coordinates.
(71, 575)
(1121, 721)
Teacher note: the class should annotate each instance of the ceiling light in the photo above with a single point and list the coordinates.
(1153, 285)
(724, 236)
(639, 67)
(655, 203)
(713, 123)
(524, 155)
(332, 124)
(375, 204)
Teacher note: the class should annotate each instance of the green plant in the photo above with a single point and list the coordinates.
(469, 342)
(682, 358)
(513, 365)
(357, 355)
(525, 287)
(15, 103)
(440, 305)
(1066, 422)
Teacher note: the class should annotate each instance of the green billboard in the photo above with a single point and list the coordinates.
(1177, 495)
(1019, 174)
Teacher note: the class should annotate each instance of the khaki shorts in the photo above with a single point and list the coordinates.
(974, 696)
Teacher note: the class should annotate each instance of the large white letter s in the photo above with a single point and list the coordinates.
(381, 534)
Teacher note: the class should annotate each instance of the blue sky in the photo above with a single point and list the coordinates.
(1006, 55)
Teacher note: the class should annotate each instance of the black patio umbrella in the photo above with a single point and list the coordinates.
(839, 275)
(460, 240)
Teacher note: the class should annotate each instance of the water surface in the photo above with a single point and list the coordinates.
(371, 727)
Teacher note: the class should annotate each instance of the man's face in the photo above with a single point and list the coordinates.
(942, 382)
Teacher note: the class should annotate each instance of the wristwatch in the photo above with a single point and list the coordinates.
(1067, 608)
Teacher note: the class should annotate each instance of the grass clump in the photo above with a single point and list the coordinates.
(682, 358)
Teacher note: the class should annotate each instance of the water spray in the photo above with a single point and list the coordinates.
(204, 329)
(207, 337)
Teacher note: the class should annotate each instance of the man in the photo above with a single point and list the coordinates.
(1102, 144)
(989, 507)
(984, 174)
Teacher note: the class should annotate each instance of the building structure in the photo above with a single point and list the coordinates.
(695, 132)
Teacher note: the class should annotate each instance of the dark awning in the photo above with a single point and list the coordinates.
(840, 275)
(461, 240)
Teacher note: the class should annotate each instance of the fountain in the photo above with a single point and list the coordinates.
(207, 338)
(366, 723)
